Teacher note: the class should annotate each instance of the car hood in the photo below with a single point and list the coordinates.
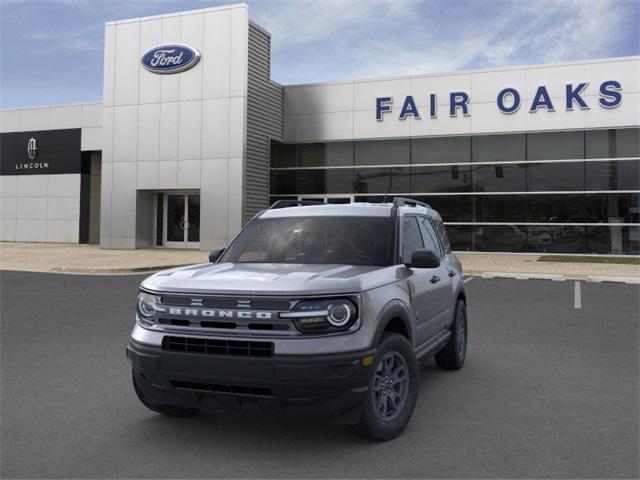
(271, 279)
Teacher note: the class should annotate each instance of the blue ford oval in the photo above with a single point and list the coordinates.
(173, 58)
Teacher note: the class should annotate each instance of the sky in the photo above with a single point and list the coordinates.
(51, 51)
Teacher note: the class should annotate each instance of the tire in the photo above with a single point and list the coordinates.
(376, 424)
(169, 410)
(452, 356)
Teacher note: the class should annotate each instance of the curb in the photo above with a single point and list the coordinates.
(115, 270)
(554, 277)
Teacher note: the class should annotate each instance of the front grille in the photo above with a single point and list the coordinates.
(263, 325)
(218, 347)
(229, 389)
(257, 303)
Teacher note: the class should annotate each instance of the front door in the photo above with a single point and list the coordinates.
(182, 220)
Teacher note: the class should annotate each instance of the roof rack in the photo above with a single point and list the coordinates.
(293, 203)
(408, 202)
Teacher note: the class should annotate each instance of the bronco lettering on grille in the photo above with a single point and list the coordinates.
(214, 313)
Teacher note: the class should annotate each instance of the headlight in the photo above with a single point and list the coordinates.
(147, 307)
(320, 316)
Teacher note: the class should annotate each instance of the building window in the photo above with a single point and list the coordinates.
(499, 148)
(612, 143)
(382, 152)
(440, 150)
(555, 145)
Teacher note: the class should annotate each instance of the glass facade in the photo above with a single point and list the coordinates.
(560, 192)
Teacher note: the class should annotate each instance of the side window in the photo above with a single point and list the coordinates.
(430, 238)
(442, 233)
(411, 238)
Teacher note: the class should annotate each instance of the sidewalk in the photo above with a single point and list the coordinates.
(72, 258)
(90, 259)
(527, 266)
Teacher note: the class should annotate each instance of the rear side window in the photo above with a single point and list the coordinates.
(429, 236)
(411, 238)
(442, 233)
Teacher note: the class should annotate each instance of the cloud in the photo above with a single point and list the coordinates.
(327, 40)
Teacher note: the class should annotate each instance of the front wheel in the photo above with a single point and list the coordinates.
(393, 390)
(452, 356)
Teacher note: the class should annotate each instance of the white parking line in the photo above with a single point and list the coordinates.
(468, 279)
(577, 296)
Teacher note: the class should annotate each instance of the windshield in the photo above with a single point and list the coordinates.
(318, 240)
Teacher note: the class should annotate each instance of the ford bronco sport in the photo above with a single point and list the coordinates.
(312, 309)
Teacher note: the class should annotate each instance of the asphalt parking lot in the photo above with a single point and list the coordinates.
(549, 390)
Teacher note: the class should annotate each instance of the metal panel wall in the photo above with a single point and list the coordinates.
(265, 120)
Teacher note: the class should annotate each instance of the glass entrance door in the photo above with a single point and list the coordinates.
(182, 220)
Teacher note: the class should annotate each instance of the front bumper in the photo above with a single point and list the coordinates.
(310, 385)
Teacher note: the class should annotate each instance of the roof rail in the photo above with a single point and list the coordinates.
(293, 203)
(408, 202)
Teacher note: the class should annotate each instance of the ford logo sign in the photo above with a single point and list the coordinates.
(172, 58)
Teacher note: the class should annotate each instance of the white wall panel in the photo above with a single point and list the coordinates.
(32, 208)
(64, 185)
(65, 116)
(237, 127)
(63, 208)
(239, 52)
(189, 174)
(125, 134)
(365, 93)
(63, 231)
(485, 86)
(190, 130)
(107, 135)
(422, 86)
(8, 208)
(31, 230)
(149, 132)
(91, 115)
(626, 72)
(170, 84)
(214, 203)
(147, 176)
(215, 128)
(554, 78)
(123, 218)
(34, 119)
(150, 36)
(192, 35)
(127, 63)
(320, 99)
(234, 220)
(8, 230)
(8, 185)
(9, 120)
(109, 68)
(169, 131)
(91, 138)
(32, 185)
(168, 174)
(215, 62)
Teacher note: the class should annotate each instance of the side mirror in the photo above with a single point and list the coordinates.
(215, 255)
(424, 259)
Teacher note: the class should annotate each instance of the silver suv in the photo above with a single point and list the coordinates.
(312, 310)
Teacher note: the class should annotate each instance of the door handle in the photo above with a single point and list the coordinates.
(452, 273)
(435, 279)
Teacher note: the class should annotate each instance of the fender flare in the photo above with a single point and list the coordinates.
(393, 309)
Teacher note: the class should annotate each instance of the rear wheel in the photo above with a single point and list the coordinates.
(170, 410)
(393, 390)
(452, 356)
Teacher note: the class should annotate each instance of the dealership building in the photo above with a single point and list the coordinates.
(192, 138)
